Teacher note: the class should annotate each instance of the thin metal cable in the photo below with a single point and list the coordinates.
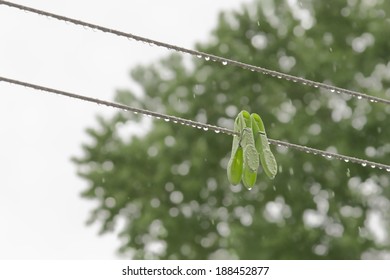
(195, 124)
(206, 56)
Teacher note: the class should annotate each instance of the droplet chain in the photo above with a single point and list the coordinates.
(206, 56)
(194, 124)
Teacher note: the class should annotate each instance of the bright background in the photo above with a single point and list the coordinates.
(42, 215)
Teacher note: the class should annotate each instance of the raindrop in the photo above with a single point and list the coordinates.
(329, 156)
(364, 164)
(158, 118)
(174, 121)
(167, 120)
(346, 160)
(332, 90)
(224, 62)
(388, 169)
(216, 131)
(207, 58)
(359, 97)
(136, 113)
(205, 128)
(199, 56)
(279, 77)
(315, 86)
(372, 166)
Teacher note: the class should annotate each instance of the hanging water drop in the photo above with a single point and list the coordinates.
(372, 166)
(207, 58)
(364, 164)
(359, 97)
(346, 160)
(166, 119)
(205, 128)
(388, 169)
(224, 63)
(217, 131)
(199, 56)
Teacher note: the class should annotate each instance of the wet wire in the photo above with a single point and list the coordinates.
(206, 56)
(194, 124)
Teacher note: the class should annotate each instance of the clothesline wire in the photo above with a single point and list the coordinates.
(194, 124)
(206, 56)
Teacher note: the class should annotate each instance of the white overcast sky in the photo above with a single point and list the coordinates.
(42, 215)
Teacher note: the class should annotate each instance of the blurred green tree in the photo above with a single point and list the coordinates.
(169, 185)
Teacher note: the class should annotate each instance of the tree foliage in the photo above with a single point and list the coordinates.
(169, 185)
